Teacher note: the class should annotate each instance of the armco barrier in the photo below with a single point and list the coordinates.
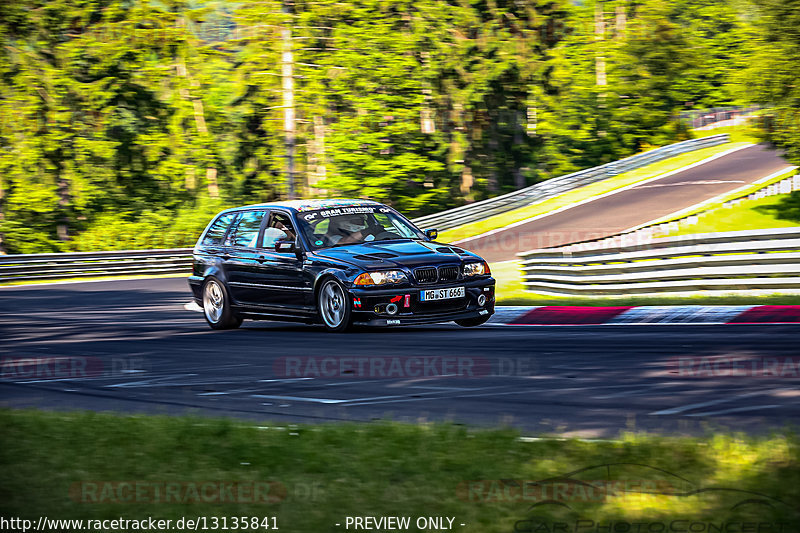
(753, 260)
(26, 267)
(555, 186)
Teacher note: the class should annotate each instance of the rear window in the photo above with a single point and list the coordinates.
(216, 232)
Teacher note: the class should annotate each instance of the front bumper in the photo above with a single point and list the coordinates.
(372, 306)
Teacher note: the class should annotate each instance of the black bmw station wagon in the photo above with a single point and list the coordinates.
(334, 262)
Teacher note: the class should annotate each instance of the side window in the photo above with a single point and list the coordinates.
(216, 232)
(280, 228)
(246, 231)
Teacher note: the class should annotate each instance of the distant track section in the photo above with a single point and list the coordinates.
(553, 187)
(629, 207)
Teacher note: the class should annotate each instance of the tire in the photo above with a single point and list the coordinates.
(333, 306)
(472, 322)
(217, 306)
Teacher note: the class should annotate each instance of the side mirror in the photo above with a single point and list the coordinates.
(285, 246)
(431, 234)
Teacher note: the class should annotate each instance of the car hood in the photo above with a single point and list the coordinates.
(390, 254)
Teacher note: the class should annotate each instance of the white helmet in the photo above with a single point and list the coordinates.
(352, 224)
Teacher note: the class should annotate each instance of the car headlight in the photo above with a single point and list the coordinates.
(385, 277)
(476, 269)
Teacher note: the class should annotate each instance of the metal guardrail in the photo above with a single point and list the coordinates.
(729, 261)
(27, 267)
(700, 118)
(553, 187)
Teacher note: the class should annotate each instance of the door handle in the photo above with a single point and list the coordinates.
(261, 259)
(225, 256)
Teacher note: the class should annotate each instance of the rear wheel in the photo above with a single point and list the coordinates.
(217, 306)
(334, 306)
(472, 322)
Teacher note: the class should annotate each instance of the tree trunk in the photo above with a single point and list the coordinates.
(3, 250)
(316, 156)
(519, 179)
(62, 227)
(466, 180)
(199, 115)
(493, 183)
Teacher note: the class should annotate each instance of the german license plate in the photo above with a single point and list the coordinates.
(441, 294)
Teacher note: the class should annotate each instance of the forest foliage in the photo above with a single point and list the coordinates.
(128, 123)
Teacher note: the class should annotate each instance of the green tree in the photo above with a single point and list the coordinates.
(128, 122)
(773, 74)
(103, 112)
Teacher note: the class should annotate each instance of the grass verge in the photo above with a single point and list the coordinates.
(718, 201)
(763, 213)
(779, 211)
(740, 133)
(329, 472)
(584, 193)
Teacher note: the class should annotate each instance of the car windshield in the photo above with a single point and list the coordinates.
(325, 228)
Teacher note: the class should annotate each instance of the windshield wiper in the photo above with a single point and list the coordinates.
(392, 239)
(370, 242)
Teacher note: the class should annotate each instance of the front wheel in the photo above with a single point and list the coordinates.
(334, 306)
(472, 322)
(217, 306)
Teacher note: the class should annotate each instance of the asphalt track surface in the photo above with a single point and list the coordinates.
(139, 350)
(631, 207)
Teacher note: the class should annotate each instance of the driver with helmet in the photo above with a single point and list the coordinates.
(348, 229)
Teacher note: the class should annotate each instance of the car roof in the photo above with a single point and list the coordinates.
(311, 205)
